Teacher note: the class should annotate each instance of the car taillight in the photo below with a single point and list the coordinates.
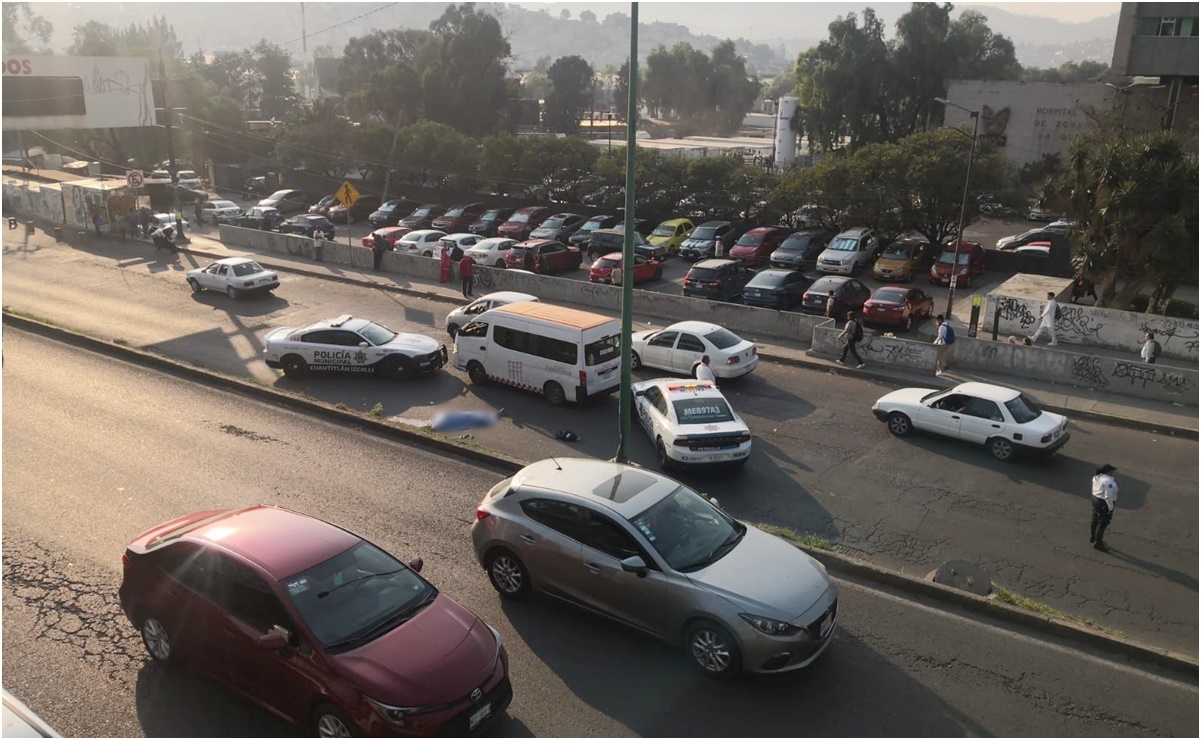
(584, 379)
(715, 283)
(742, 439)
(733, 360)
(124, 560)
(482, 513)
(682, 442)
(805, 297)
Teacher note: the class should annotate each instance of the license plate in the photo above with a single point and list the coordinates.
(880, 309)
(480, 715)
(715, 458)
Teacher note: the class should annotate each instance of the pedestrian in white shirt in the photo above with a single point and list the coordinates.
(1046, 322)
(943, 339)
(704, 372)
(615, 277)
(1105, 497)
(1151, 348)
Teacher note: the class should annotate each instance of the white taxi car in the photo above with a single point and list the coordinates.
(463, 315)
(680, 347)
(233, 276)
(351, 345)
(691, 423)
(1002, 419)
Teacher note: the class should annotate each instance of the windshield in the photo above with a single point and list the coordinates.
(606, 262)
(843, 244)
(421, 212)
(664, 231)
(492, 215)
(896, 252)
(553, 223)
(519, 218)
(391, 205)
(750, 240)
(247, 268)
(455, 212)
(377, 334)
(704, 232)
(592, 225)
(356, 596)
(278, 195)
(948, 257)
(1023, 410)
(767, 280)
(687, 531)
(702, 411)
(723, 338)
(602, 350)
(795, 244)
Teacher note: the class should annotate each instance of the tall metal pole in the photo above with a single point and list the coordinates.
(162, 76)
(391, 155)
(962, 208)
(626, 398)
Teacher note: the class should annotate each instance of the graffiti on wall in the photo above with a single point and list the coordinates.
(1140, 374)
(892, 351)
(1167, 329)
(1075, 320)
(1013, 309)
(1087, 368)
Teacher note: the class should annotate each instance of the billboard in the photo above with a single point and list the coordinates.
(47, 93)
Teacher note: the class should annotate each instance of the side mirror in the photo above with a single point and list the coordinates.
(364, 344)
(635, 565)
(416, 564)
(640, 393)
(713, 500)
(271, 641)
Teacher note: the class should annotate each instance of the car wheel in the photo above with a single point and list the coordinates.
(658, 275)
(554, 393)
(635, 360)
(329, 721)
(476, 372)
(453, 330)
(157, 640)
(1001, 448)
(402, 369)
(508, 574)
(427, 254)
(665, 462)
(899, 424)
(231, 291)
(712, 650)
(500, 264)
(909, 323)
(194, 285)
(295, 367)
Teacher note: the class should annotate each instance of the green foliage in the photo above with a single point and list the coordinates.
(509, 163)
(1068, 72)
(315, 139)
(571, 86)
(429, 152)
(703, 94)
(463, 79)
(790, 534)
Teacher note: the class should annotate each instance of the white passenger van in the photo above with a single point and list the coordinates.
(562, 353)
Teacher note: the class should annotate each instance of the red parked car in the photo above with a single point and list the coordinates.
(522, 222)
(458, 218)
(545, 256)
(971, 263)
(391, 233)
(897, 306)
(314, 623)
(645, 269)
(755, 246)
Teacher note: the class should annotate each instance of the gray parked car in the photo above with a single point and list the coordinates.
(650, 553)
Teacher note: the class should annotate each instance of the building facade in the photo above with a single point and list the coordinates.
(1159, 40)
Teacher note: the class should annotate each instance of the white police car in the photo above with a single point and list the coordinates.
(351, 345)
(691, 423)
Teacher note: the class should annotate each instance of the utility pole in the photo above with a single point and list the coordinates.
(391, 155)
(963, 203)
(162, 76)
(626, 398)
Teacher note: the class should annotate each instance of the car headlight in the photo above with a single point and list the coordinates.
(962, 271)
(773, 627)
(393, 715)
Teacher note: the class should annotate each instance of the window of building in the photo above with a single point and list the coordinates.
(1167, 27)
(1146, 26)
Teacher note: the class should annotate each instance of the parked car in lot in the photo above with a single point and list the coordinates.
(460, 317)
(157, 177)
(523, 222)
(1040, 213)
(458, 218)
(422, 242)
(1063, 226)
(755, 247)
(641, 226)
(717, 279)
(680, 347)
(220, 211)
(189, 179)
(313, 622)
(350, 345)
(548, 256)
(287, 201)
(1038, 249)
(780, 289)
(363, 208)
(559, 227)
(849, 295)
(902, 259)
(1004, 420)
(233, 276)
(390, 213)
(259, 217)
(491, 252)
(690, 423)
(603, 241)
(701, 243)
(308, 224)
(971, 263)
(897, 307)
(799, 248)
(490, 220)
(391, 234)
(322, 206)
(670, 234)
(1044, 234)
(651, 553)
(645, 270)
(583, 235)
(462, 240)
(423, 217)
(167, 219)
(849, 251)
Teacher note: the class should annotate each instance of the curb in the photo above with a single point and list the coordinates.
(841, 564)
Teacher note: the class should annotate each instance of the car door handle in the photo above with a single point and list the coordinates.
(593, 568)
(954, 417)
(482, 347)
(996, 426)
(529, 538)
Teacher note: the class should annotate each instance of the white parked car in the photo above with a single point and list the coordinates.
(1002, 419)
(351, 345)
(491, 252)
(460, 317)
(157, 177)
(679, 348)
(691, 423)
(220, 211)
(465, 242)
(233, 276)
(423, 242)
(852, 249)
(166, 219)
(189, 179)
(1038, 213)
(20, 721)
(1063, 226)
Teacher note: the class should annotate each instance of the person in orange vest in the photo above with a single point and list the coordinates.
(467, 275)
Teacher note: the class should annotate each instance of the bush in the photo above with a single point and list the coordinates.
(1176, 307)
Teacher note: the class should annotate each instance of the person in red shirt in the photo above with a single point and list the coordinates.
(467, 275)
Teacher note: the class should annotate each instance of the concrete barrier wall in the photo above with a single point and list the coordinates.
(907, 353)
(39, 200)
(1089, 326)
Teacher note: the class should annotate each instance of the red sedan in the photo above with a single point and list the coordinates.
(971, 263)
(645, 269)
(314, 623)
(897, 307)
(755, 246)
(390, 233)
(543, 256)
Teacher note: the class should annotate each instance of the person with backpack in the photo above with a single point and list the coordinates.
(1151, 348)
(852, 335)
(1046, 322)
(943, 340)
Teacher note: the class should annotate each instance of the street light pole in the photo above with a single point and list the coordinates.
(626, 397)
(963, 203)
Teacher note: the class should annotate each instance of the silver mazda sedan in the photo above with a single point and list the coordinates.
(649, 552)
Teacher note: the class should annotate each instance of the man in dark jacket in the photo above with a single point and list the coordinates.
(379, 245)
(467, 275)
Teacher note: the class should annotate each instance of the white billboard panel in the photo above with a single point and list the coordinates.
(46, 93)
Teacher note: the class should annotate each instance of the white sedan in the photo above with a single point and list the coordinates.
(220, 211)
(233, 276)
(679, 349)
(423, 242)
(491, 252)
(463, 240)
(691, 423)
(351, 345)
(1000, 418)
(166, 219)
(462, 316)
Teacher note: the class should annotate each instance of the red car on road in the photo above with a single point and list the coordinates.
(391, 233)
(644, 269)
(897, 306)
(547, 255)
(314, 623)
(755, 246)
(522, 222)
(971, 263)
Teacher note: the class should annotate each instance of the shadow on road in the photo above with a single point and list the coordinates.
(1175, 576)
(178, 702)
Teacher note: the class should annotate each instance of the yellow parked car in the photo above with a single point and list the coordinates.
(671, 234)
(902, 259)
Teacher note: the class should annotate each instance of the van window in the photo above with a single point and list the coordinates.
(474, 329)
(603, 350)
(556, 350)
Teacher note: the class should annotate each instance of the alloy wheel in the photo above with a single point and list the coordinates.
(710, 651)
(506, 574)
(158, 642)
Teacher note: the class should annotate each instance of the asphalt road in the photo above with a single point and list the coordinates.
(97, 450)
(821, 462)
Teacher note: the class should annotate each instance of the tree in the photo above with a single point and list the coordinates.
(429, 152)
(94, 39)
(621, 92)
(22, 27)
(464, 73)
(702, 93)
(315, 139)
(733, 91)
(276, 91)
(587, 16)
(536, 84)
(1068, 72)
(366, 55)
(571, 81)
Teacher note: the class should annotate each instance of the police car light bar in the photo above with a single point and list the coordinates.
(341, 320)
(691, 386)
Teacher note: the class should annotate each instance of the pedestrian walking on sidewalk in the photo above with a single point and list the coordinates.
(852, 335)
(379, 245)
(1046, 322)
(467, 275)
(704, 372)
(1105, 497)
(944, 339)
(830, 305)
(1151, 349)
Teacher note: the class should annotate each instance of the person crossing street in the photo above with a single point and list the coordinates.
(1105, 497)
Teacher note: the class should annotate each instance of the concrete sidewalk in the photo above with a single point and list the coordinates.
(1076, 401)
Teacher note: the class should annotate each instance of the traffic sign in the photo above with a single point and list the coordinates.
(134, 178)
(347, 195)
